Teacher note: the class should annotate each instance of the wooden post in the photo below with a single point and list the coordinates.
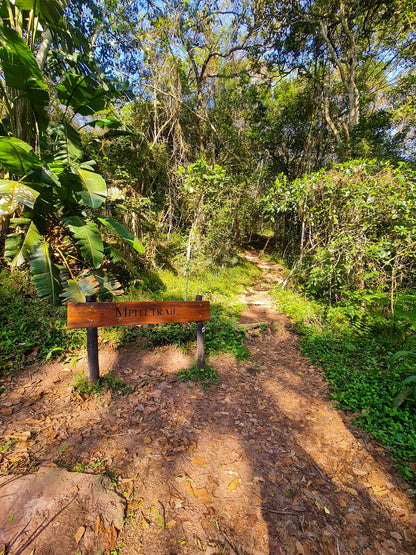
(92, 348)
(200, 340)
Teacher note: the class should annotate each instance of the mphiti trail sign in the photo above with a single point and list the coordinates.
(92, 315)
(96, 315)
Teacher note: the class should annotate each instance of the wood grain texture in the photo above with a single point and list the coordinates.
(95, 315)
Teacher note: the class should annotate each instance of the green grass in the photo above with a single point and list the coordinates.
(29, 329)
(354, 345)
(109, 382)
(217, 284)
(221, 334)
(205, 376)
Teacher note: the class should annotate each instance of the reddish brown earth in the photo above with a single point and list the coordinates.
(261, 464)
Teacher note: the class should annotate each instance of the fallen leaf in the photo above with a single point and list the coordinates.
(110, 537)
(171, 524)
(99, 526)
(379, 490)
(135, 504)
(79, 533)
(189, 488)
(147, 439)
(199, 461)
(352, 491)
(18, 436)
(359, 472)
(203, 495)
(233, 485)
(6, 411)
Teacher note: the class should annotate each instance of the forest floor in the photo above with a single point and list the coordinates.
(261, 464)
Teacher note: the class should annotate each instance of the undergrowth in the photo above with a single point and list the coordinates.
(221, 335)
(205, 376)
(357, 344)
(30, 329)
(85, 388)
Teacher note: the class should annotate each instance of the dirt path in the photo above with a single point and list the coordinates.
(263, 464)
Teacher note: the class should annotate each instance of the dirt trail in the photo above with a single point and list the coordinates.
(263, 464)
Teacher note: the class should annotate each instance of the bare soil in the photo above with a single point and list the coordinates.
(261, 464)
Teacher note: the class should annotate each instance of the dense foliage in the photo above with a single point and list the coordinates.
(353, 227)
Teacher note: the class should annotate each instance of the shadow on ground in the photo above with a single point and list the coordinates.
(262, 464)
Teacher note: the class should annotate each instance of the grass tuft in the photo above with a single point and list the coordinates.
(85, 388)
(205, 376)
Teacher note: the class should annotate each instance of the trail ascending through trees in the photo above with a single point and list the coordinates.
(261, 464)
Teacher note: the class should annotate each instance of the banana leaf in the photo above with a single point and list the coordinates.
(95, 189)
(76, 289)
(21, 72)
(20, 245)
(88, 237)
(122, 232)
(17, 157)
(13, 192)
(46, 274)
(82, 93)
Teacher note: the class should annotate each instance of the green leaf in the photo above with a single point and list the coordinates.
(402, 396)
(16, 156)
(13, 192)
(110, 123)
(68, 188)
(19, 246)
(122, 232)
(401, 354)
(95, 189)
(21, 72)
(107, 283)
(88, 238)
(46, 274)
(50, 11)
(76, 289)
(68, 143)
(82, 93)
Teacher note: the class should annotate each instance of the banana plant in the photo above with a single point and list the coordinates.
(50, 197)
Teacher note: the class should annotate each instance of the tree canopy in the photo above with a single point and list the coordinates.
(109, 110)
